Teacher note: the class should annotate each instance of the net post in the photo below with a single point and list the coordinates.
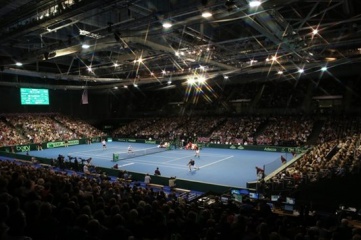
(115, 157)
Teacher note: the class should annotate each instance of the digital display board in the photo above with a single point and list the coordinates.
(34, 96)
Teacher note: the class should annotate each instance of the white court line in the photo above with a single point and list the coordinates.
(103, 156)
(221, 160)
(213, 155)
(176, 159)
(191, 156)
(144, 162)
(155, 165)
(93, 150)
(127, 164)
(165, 164)
(203, 153)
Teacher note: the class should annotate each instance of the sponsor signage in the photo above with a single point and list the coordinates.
(270, 149)
(227, 146)
(61, 144)
(259, 148)
(22, 148)
(73, 142)
(54, 144)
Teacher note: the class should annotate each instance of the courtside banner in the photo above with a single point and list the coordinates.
(61, 144)
(131, 140)
(260, 148)
(22, 148)
(19, 148)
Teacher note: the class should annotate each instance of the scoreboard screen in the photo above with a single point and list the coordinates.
(34, 96)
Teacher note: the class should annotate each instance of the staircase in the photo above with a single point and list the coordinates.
(316, 130)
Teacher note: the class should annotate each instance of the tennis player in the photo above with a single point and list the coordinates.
(130, 149)
(104, 143)
(197, 153)
(192, 164)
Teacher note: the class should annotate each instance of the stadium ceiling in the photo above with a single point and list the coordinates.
(128, 42)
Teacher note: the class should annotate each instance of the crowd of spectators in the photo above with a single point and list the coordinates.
(237, 130)
(167, 128)
(339, 128)
(38, 128)
(44, 204)
(79, 127)
(246, 130)
(132, 128)
(336, 158)
(40, 203)
(286, 131)
(19, 129)
(160, 128)
(320, 162)
(10, 136)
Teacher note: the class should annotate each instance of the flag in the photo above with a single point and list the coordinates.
(283, 159)
(84, 97)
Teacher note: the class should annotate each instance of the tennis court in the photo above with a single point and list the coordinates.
(225, 167)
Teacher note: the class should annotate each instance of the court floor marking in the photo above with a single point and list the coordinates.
(120, 150)
(221, 160)
(124, 165)
(205, 154)
(166, 163)
(91, 155)
(181, 167)
(178, 158)
(144, 162)
(178, 166)
(104, 155)
(192, 156)
(94, 150)
(103, 152)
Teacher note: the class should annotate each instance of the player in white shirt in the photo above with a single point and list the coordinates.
(130, 149)
(197, 153)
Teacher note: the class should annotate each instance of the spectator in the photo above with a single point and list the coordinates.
(86, 169)
(171, 182)
(147, 179)
(157, 172)
(260, 172)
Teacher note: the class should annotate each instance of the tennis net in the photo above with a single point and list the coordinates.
(137, 153)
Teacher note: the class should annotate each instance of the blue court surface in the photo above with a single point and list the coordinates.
(225, 167)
